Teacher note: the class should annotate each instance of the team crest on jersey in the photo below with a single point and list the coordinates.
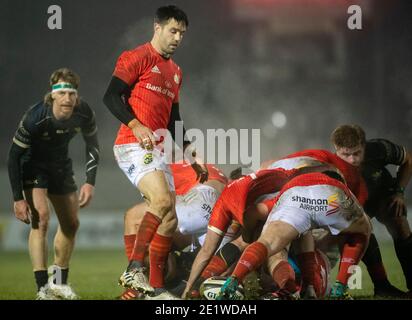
(176, 78)
(168, 84)
(148, 158)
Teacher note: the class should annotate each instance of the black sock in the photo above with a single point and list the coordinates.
(403, 249)
(373, 262)
(60, 275)
(41, 278)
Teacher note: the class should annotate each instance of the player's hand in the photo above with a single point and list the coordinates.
(144, 135)
(86, 195)
(202, 174)
(185, 294)
(22, 211)
(397, 204)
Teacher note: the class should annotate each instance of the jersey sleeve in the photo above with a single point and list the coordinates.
(25, 132)
(385, 151)
(129, 67)
(220, 219)
(89, 131)
(89, 127)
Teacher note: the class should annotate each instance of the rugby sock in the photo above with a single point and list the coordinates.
(307, 264)
(351, 254)
(159, 252)
(310, 269)
(215, 267)
(403, 249)
(224, 258)
(60, 275)
(129, 240)
(254, 255)
(144, 236)
(284, 277)
(41, 278)
(373, 261)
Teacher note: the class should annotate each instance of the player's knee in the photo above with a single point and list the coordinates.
(40, 220)
(70, 228)
(169, 224)
(130, 217)
(42, 225)
(162, 204)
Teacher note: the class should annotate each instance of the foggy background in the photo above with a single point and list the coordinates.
(243, 61)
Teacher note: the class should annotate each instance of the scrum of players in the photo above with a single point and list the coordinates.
(289, 222)
(265, 222)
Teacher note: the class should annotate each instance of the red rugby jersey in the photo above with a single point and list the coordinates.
(185, 177)
(350, 173)
(305, 180)
(240, 194)
(155, 83)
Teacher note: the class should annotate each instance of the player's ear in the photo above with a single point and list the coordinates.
(156, 27)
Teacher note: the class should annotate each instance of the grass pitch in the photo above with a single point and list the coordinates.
(94, 274)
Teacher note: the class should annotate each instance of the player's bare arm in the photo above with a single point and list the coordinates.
(212, 242)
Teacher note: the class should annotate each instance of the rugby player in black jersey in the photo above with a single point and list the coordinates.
(40, 169)
(385, 201)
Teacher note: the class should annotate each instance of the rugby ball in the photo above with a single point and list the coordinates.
(210, 289)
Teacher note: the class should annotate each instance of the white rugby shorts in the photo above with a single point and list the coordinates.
(136, 162)
(318, 206)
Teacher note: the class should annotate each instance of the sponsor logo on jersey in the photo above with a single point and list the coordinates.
(311, 204)
(155, 69)
(161, 90)
(148, 158)
(333, 203)
(59, 131)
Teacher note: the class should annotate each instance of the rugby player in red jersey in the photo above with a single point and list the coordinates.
(194, 204)
(233, 203)
(307, 260)
(308, 201)
(144, 95)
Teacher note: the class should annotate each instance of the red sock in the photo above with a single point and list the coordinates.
(307, 265)
(159, 252)
(129, 240)
(310, 269)
(144, 236)
(215, 267)
(254, 255)
(284, 277)
(351, 254)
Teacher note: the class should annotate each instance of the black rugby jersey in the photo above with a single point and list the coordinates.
(44, 139)
(378, 154)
